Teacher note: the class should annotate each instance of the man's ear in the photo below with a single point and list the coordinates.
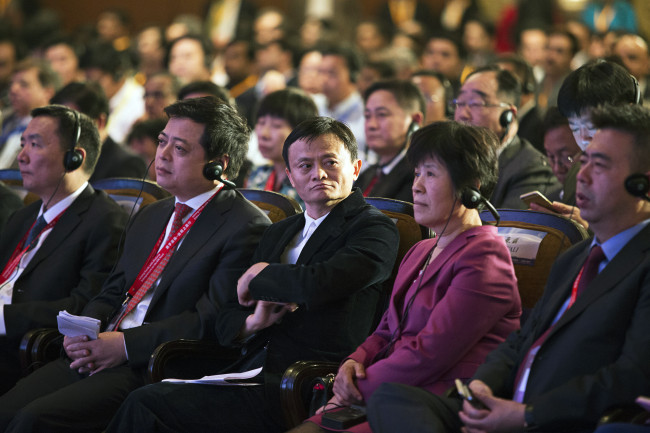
(286, 170)
(417, 117)
(357, 168)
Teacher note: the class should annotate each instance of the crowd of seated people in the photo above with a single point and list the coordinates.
(327, 108)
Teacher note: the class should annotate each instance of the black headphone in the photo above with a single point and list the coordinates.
(506, 118)
(637, 90)
(73, 158)
(638, 185)
(471, 198)
(213, 170)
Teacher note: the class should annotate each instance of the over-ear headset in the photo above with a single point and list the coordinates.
(213, 170)
(73, 158)
(637, 90)
(506, 118)
(471, 198)
(638, 185)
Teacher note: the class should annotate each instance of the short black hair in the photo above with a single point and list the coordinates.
(315, 127)
(468, 152)
(632, 119)
(226, 131)
(204, 87)
(89, 98)
(593, 84)
(450, 36)
(104, 56)
(508, 85)
(522, 70)
(553, 119)
(386, 70)
(46, 75)
(291, 104)
(573, 41)
(348, 54)
(66, 131)
(407, 94)
(150, 128)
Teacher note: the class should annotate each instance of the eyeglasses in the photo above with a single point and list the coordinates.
(563, 159)
(476, 104)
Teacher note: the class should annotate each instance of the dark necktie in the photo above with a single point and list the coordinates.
(35, 232)
(588, 273)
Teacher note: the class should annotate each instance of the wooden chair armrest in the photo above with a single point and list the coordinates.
(295, 391)
(38, 347)
(189, 359)
(625, 414)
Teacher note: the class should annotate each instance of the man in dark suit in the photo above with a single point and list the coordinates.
(75, 232)
(295, 303)
(489, 97)
(115, 160)
(9, 203)
(159, 290)
(394, 109)
(586, 346)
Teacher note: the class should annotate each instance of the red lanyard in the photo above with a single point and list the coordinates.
(270, 182)
(21, 249)
(156, 256)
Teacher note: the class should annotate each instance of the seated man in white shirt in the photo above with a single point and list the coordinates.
(55, 253)
(181, 260)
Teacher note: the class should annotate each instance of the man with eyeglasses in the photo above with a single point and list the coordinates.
(563, 154)
(489, 98)
(594, 84)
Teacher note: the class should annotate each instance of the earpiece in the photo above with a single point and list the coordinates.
(73, 158)
(471, 198)
(506, 118)
(213, 171)
(638, 185)
(637, 90)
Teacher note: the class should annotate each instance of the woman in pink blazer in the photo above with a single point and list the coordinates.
(455, 296)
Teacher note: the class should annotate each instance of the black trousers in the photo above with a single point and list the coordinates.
(170, 407)
(394, 407)
(55, 398)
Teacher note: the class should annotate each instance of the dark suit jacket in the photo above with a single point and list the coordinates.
(200, 277)
(531, 128)
(597, 355)
(336, 282)
(396, 184)
(522, 169)
(71, 265)
(9, 203)
(117, 161)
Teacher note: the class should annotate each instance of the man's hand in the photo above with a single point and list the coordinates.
(501, 416)
(105, 352)
(345, 384)
(243, 294)
(265, 315)
(70, 343)
(571, 212)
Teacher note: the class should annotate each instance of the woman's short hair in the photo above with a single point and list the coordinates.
(290, 104)
(468, 152)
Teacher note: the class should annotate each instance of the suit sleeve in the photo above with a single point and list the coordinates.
(366, 256)
(480, 291)
(199, 322)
